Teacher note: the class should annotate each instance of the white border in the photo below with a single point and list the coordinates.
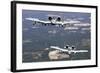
(21, 65)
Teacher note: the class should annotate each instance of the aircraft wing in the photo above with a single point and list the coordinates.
(65, 50)
(67, 22)
(57, 48)
(37, 20)
(78, 51)
(70, 22)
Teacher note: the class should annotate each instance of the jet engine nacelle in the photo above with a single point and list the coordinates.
(50, 18)
(73, 48)
(58, 19)
(70, 48)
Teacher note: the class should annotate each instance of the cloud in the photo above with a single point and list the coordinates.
(27, 41)
(52, 31)
(32, 19)
(82, 25)
(73, 31)
(25, 29)
(88, 29)
(53, 15)
(73, 20)
(35, 27)
(82, 32)
(37, 55)
(71, 28)
(56, 55)
(80, 18)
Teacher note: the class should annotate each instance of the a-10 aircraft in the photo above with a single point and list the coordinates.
(68, 49)
(53, 20)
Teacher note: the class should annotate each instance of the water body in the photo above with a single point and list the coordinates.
(37, 37)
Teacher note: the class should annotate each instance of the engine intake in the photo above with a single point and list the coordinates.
(58, 19)
(73, 47)
(67, 46)
(50, 18)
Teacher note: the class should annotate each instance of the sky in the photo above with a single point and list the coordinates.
(38, 37)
